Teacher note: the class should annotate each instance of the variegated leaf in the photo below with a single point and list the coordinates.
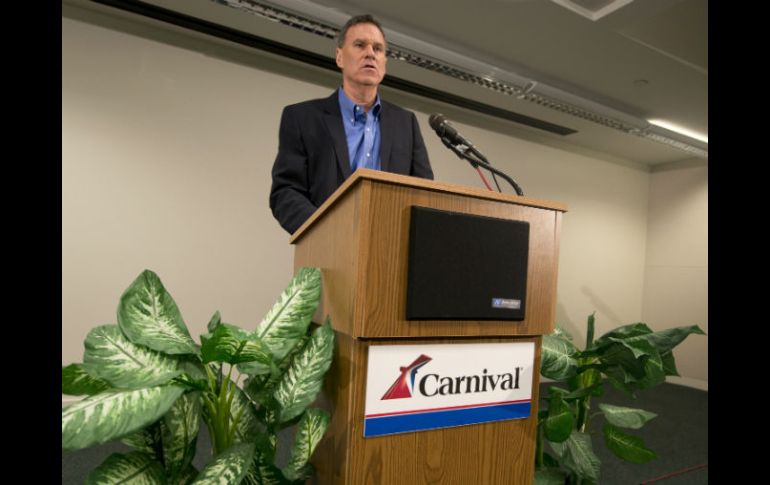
(234, 347)
(75, 381)
(111, 356)
(114, 414)
(625, 331)
(577, 454)
(229, 467)
(557, 359)
(626, 417)
(146, 440)
(310, 430)
(263, 473)
(180, 427)
(626, 447)
(665, 340)
(302, 380)
(288, 319)
(148, 316)
(247, 427)
(558, 424)
(134, 468)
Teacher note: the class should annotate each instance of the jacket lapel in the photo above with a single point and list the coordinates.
(333, 120)
(387, 129)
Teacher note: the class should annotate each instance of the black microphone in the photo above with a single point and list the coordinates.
(450, 137)
(444, 129)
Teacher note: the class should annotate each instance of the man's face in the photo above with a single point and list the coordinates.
(362, 56)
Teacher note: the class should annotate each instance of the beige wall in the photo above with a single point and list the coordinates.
(166, 157)
(676, 274)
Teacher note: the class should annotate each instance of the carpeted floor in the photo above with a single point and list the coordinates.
(679, 436)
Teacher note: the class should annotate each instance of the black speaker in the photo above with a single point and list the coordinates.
(466, 267)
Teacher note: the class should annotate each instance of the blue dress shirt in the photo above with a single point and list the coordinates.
(362, 131)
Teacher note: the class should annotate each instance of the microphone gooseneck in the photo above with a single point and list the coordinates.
(454, 140)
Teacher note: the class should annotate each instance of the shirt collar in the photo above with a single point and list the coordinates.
(351, 111)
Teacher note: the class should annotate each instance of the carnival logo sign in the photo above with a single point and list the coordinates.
(463, 384)
(405, 383)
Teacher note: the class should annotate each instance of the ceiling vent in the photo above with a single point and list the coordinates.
(592, 9)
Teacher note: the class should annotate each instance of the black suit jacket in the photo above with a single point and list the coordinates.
(313, 156)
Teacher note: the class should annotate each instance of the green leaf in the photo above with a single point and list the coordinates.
(549, 476)
(148, 316)
(75, 381)
(669, 364)
(590, 325)
(625, 331)
(229, 467)
(262, 472)
(617, 355)
(627, 447)
(626, 417)
(187, 476)
(112, 357)
(247, 428)
(135, 468)
(639, 346)
(310, 430)
(235, 346)
(576, 454)
(288, 319)
(180, 426)
(215, 321)
(302, 380)
(653, 372)
(114, 414)
(557, 358)
(666, 340)
(558, 425)
(146, 440)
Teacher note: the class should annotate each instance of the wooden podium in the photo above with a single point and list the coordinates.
(359, 238)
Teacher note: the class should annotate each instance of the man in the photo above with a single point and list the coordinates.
(323, 141)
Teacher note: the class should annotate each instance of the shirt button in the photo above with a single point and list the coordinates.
(368, 154)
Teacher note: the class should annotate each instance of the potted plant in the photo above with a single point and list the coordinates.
(631, 357)
(148, 383)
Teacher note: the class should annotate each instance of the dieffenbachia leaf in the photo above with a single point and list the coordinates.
(626, 417)
(113, 414)
(135, 468)
(558, 424)
(109, 355)
(180, 426)
(234, 346)
(75, 381)
(557, 359)
(310, 430)
(247, 426)
(261, 472)
(148, 315)
(577, 454)
(229, 467)
(302, 380)
(288, 319)
(626, 447)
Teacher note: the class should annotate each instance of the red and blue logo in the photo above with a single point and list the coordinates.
(404, 385)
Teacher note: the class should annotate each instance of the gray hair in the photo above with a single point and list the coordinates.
(358, 19)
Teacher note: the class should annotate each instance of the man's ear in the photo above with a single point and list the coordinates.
(338, 57)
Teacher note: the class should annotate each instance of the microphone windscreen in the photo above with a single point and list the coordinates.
(436, 120)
